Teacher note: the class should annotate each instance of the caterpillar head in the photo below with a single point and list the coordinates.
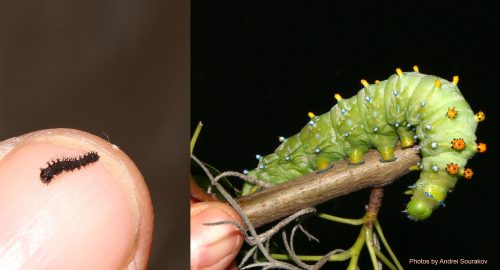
(426, 198)
(418, 210)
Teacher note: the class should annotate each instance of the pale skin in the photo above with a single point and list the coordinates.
(98, 217)
(214, 247)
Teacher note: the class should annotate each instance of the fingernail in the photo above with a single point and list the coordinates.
(212, 243)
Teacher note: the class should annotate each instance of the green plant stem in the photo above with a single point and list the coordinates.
(385, 260)
(386, 245)
(365, 237)
(356, 250)
(370, 246)
(314, 258)
(195, 137)
(349, 221)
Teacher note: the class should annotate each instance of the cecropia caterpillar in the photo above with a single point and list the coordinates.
(410, 107)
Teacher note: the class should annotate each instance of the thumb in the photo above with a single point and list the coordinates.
(213, 247)
(96, 216)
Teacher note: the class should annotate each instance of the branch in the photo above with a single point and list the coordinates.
(374, 205)
(287, 198)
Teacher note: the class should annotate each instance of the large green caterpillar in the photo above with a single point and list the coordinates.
(409, 106)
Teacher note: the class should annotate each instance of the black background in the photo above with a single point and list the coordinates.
(257, 69)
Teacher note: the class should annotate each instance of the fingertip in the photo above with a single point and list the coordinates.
(213, 247)
(98, 216)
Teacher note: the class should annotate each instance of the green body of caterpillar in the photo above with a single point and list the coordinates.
(407, 106)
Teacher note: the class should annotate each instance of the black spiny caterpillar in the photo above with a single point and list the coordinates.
(58, 166)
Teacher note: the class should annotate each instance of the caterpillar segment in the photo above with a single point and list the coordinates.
(409, 107)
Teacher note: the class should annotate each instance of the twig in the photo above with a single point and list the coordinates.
(291, 251)
(282, 200)
(374, 204)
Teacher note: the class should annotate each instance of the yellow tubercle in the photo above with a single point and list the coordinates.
(254, 189)
(322, 164)
(437, 84)
(311, 115)
(455, 80)
(399, 71)
(415, 167)
(356, 157)
(406, 141)
(386, 154)
(415, 68)
(364, 83)
(338, 97)
(480, 116)
(452, 113)
(377, 81)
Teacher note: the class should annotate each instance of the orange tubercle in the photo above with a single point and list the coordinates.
(481, 147)
(467, 173)
(458, 144)
(452, 168)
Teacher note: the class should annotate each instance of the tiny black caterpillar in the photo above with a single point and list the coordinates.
(65, 165)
